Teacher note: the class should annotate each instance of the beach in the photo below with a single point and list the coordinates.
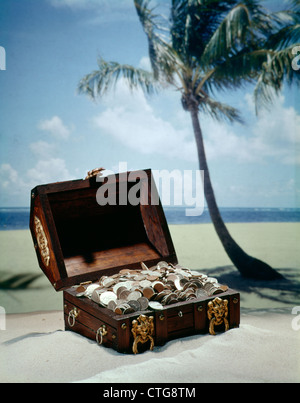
(265, 348)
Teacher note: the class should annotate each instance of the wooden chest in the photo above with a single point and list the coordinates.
(79, 239)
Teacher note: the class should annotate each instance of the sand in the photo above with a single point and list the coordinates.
(265, 348)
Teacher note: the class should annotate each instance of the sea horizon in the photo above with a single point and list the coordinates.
(15, 218)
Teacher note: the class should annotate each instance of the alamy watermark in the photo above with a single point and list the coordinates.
(2, 58)
(2, 318)
(296, 319)
(176, 188)
(296, 60)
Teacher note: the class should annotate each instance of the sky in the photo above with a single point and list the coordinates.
(50, 133)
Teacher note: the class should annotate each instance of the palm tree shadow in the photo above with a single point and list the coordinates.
(18, 281)
(284, 291)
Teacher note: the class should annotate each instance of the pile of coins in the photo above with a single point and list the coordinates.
(137, 290)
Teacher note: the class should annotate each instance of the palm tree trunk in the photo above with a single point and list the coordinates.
(248, 266)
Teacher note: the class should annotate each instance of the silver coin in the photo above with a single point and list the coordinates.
(80, 294)
(124, 294)
(108, 282)
(177, 284)
(112, 305)
(96, 296)
(90, 289)
(211, 280)
(139, 277)
(144, 302)
(135, 305)
(200, 292)
(144, 267)
(128, 309)
(155, 305)
(128, 284)
(107, 296)
(145, 283)
(162, 264)
(134, 295)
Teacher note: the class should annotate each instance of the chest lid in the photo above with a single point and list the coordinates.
(84, 229)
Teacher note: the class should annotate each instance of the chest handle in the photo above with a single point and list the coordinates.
(101, 332)
(73, 314)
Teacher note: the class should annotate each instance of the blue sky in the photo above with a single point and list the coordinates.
(49, 133)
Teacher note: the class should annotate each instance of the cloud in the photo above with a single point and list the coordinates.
(274, 134)
(15, 186)
(130, 119)
(145, 63)
(8, 176)
(47, 171)
(42, 149)
(103, 10)
(77, 4)
(55, 127)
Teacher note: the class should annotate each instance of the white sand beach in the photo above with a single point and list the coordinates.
(265, 348)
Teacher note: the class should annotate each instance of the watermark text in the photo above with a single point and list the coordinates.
(2, 318)
(296, 60)
(296, 319)
(2, 58)
(176, 188)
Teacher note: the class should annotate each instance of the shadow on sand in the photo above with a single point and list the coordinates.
(282, 293)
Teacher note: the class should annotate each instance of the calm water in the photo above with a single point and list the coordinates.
(18, 218)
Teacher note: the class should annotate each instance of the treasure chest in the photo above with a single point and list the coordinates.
(104, 241)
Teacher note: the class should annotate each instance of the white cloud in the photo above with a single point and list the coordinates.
(74, 3)
(14, 191)
(55, 127)
(8, 176)
(47, 171)
(42, 149)
(131, 120)
(103, 10)
(145, 63)
(273, 134)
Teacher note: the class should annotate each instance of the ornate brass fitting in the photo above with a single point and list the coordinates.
(42, 241)
(94, 172)
(142, 330)
(217, 313)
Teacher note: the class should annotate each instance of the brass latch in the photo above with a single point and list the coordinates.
(94, 172)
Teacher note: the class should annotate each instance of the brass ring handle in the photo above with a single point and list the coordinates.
(94, 172)
(102, 332)
(73, 314)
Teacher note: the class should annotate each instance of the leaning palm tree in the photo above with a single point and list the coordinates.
(207, 46)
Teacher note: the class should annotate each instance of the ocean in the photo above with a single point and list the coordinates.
(18, 218)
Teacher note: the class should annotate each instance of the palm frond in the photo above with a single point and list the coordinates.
(157, 45)
(100, 81)
(242, 68)
(277, 69)
(219, 111)
(227, 37)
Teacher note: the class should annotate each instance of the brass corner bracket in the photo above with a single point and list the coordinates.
(142, 330)
(217, 314)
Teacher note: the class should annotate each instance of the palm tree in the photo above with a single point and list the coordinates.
(205, 47)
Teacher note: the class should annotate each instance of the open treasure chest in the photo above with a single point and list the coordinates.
(105, 242)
